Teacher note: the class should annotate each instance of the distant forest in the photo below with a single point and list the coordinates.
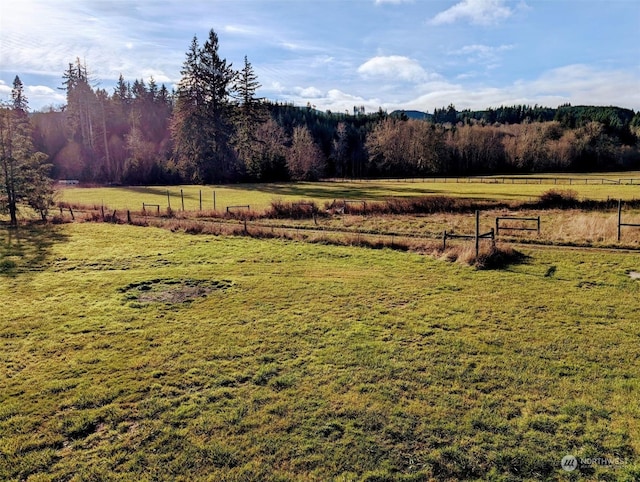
(213, 129)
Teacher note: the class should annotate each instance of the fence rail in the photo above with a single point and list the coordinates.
(620, 223)
(517, 228)
(558, 180)
(239, 206)
(477, 236)
(146, 205)
(346, 202)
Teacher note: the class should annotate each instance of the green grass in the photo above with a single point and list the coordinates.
(309, 362)
(259, 196)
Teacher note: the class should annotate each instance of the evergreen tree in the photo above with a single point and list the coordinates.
(122, 92)
(202, 117)
(250, 113)
(23, 172)
(19, 100)
(153, 90)
(81, 103)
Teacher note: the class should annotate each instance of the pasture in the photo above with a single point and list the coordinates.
(136, 353)
(259, 196)
(140, 353)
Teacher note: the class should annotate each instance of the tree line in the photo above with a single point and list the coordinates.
(214, 129)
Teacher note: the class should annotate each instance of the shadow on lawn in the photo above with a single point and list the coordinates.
(27, 248)
(330, 191)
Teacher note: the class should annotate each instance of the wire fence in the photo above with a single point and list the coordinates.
(542, 180)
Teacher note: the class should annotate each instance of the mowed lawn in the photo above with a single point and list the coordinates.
(259, 196)
(131, 353)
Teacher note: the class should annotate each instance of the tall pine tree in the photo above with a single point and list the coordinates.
(202, 126)
(23, 172)
(250, 113)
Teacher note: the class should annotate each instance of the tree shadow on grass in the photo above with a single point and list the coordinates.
(27, 248)
(330, 191)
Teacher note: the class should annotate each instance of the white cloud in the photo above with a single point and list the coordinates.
(482, 54)
(239, 30)
(582, 84)
(111, 43)
(338, 101)
(483, 51)
(309, 92)
(393, 67)
(42, 95)
(37, 95)
(480, 12)
(5, 91)
(159, 76)
(298, 46)
(577, 84)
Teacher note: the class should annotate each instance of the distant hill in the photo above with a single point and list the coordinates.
(412, 114)
(569, 116)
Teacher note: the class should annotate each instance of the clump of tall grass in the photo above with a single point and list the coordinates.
(106, 217)
(436, 204)
(581, 227)
(413, 205)
(78, 206)
(493, 257)
(242, 215)
(293, 210)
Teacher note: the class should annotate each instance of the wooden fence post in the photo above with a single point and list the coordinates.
(168, 200)
(182, 198)
(477, 233)
(619, 217)
(128, 216)
(214, 200)
(200, 199)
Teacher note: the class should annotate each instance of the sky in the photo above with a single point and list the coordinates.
(336, 54)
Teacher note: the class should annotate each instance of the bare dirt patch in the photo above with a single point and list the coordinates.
(172, 290)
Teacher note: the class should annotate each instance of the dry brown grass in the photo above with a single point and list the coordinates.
(414, 205)
(490, 257)
(589, 228)
(303, 209)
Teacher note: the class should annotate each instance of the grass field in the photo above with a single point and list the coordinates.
(133, 353)
(259, 196)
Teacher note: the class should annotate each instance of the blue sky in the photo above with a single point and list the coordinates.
(394, 54)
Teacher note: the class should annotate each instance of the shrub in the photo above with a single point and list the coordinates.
(292, 210)
(555, 199)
